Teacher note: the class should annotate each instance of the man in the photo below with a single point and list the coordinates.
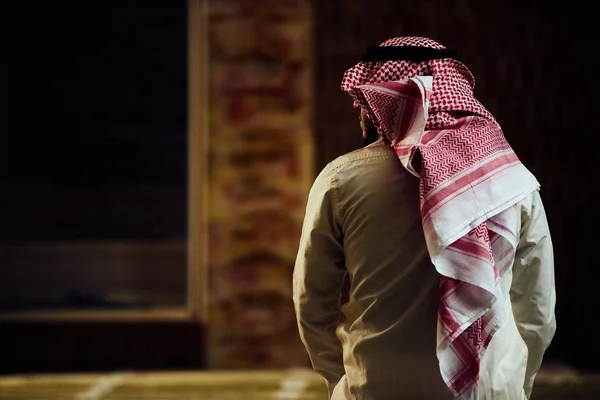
(442, 233)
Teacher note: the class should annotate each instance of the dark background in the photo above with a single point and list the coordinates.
(97, 122)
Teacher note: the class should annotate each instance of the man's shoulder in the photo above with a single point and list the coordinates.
(373, 152)
(358, 163)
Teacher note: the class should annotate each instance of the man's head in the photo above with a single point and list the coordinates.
(402, 58)
(369, 131)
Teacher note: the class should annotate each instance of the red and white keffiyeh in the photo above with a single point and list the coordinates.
(471, 180)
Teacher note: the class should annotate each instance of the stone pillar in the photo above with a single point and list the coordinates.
(260, 169)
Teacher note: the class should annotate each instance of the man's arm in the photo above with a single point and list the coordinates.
(318, 277)
(533, 293)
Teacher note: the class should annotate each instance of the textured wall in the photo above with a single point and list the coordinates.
(533, 74)
(260, 171)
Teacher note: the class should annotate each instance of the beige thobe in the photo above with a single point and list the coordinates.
(363, 219)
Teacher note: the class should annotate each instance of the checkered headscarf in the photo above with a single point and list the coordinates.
(453, 83)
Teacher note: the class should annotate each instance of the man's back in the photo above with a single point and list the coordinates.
(363, 217)
(390, 330)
